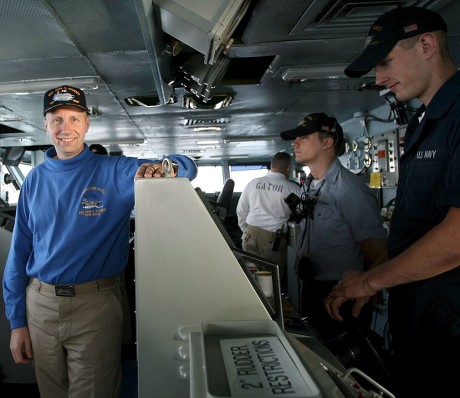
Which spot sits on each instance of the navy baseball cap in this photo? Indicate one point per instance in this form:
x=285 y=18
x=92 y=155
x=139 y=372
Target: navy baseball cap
x=397 y=24
x=64 y=96
x=316 y=122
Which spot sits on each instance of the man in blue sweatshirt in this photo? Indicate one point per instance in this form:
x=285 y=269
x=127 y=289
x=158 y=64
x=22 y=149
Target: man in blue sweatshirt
x=70 y=242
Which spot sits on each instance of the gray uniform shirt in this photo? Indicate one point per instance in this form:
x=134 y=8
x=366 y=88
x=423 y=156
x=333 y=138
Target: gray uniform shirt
x=345 y=214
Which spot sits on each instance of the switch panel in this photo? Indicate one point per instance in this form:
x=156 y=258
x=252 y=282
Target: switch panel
x=385 y=158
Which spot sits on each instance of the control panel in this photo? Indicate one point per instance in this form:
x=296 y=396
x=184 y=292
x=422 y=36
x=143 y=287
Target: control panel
x=385 y=158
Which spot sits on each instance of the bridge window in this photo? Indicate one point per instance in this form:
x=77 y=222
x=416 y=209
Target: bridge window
x=211 y=178
x=243 y=174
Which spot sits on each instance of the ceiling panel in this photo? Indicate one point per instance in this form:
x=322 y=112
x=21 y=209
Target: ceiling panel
x=46 y=42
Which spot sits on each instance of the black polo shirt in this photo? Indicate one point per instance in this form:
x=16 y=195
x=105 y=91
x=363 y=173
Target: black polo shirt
x=429 y=180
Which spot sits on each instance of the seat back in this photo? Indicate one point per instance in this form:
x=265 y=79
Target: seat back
x=224 y=200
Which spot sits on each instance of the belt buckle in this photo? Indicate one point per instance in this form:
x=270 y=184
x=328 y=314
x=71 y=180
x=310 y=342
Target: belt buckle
x=65 y=290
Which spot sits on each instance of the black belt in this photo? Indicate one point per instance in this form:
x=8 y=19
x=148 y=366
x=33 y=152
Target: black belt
x=71 y=290
x=266 y=231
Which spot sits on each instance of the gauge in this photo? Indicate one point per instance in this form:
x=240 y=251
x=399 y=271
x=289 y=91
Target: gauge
x=367 y=144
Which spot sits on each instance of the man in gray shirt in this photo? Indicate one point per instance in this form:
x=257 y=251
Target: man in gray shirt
x=341 y=225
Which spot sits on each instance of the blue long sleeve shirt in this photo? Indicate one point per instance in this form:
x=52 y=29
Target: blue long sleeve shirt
x=72 y=223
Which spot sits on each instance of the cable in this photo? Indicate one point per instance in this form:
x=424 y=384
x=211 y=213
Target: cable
x=378 y=119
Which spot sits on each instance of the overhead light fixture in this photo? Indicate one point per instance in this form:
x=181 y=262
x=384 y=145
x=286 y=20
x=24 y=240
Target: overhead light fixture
x=207 y=128
x=311 y=72
x=211 y=147
x=120 y=142
x=208 y=142
x=11 y=118
x=236 y=139
x=132 y=145
x=230 y=157
x=42 y=85
x=192 y=151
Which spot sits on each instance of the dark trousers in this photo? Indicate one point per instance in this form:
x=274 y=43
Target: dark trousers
x=425 y=326
x=312 y=306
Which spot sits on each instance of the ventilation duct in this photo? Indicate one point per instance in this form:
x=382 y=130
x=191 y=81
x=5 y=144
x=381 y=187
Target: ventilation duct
x=207 y=122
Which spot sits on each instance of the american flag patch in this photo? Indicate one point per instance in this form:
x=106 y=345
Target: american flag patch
x=410 y=28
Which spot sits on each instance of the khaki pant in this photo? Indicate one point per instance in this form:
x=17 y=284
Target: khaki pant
x=76 y=340
x=259 y=241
